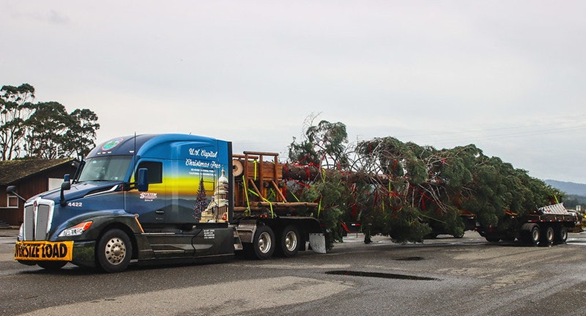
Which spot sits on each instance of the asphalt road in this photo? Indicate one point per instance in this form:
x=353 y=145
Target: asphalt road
x=445 y=276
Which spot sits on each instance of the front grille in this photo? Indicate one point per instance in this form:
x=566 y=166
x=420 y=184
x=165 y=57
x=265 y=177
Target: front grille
x=29 y=223
x=37 y=220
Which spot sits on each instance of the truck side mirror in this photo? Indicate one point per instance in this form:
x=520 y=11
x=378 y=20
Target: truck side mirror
x=143 y=180
x=66 y=185
x=11 y=189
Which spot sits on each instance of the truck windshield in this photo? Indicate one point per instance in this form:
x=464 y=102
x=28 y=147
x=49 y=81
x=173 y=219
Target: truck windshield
x=111 y=168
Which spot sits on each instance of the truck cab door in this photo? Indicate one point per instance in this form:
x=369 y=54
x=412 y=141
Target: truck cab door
x=149 y=205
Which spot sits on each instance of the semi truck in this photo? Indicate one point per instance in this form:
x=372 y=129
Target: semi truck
x=166 y=198
x=545 y=225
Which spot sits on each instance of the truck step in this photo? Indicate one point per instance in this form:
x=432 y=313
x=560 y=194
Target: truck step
x=237 y=241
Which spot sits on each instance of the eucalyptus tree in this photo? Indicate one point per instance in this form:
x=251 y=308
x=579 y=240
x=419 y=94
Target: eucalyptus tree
x=42 y=129
x=15 y=108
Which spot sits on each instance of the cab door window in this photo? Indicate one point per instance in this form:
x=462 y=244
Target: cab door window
x=155 y=171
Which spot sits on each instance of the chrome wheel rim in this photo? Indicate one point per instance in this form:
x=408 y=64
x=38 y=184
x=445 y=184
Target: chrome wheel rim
x=115 y=251
x=291 y=241
x=264 y=242
x=550 y=235
x=535 y=235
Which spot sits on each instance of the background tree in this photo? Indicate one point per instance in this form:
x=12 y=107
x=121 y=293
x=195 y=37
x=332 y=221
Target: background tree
x=15 y=108
x=44 y=129
x=80 y=135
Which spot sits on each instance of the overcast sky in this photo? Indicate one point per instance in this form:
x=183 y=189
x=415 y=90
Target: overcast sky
x=507 y=76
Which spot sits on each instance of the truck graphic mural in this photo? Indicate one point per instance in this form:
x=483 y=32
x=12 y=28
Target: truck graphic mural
x=167 y=197
x=201 y=200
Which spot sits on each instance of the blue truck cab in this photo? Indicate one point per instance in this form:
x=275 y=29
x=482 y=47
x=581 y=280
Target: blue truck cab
x=135 y=198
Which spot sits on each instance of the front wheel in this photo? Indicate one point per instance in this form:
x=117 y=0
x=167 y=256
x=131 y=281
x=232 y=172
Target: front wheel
x=114 y=251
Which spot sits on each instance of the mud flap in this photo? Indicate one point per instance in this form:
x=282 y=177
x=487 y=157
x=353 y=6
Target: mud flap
x=317 y=242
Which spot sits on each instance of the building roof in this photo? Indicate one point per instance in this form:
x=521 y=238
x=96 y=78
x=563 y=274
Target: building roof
x=15 y=170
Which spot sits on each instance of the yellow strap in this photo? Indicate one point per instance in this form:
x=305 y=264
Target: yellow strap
x=271 y=205
x=262 y=198
x=295 y=196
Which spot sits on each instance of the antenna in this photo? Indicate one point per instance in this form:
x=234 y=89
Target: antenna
x=134 y=153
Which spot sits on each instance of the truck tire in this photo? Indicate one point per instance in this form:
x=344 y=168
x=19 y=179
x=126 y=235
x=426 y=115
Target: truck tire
x=52 y=265
x=263 y=244
x=547 y=236
x=114 y=251
x=492 y=239
x=290 y=240
x=534 y=235
x=561 y=235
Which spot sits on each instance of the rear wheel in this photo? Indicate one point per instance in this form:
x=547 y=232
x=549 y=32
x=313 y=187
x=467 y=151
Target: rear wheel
x=547 y=236
x=492 y=239
x=290 y=240
x=561 y=235
x=52 y=265
x=114 y=251
x=534 y=235
x=263 y=244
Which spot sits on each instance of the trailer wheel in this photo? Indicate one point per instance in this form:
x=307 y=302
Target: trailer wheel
x=492 y=239
x=52 y=265
x=561 y=235
x=534 y=235
x=264 y=242
x=114 y=251
x=290 y=240
x=548 y=236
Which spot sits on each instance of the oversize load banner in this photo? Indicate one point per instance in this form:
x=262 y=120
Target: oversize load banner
x=43 y=250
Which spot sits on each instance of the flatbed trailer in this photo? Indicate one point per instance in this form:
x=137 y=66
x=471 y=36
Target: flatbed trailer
x=545 y=226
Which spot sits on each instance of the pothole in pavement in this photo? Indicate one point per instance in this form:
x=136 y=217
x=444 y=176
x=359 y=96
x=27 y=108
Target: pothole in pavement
x=380 y=275
x=409 y=259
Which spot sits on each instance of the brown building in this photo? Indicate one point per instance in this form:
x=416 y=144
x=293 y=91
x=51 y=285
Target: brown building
x=30 y=177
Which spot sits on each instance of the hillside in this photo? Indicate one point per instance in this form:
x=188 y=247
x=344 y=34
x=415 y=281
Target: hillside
x=569 y=188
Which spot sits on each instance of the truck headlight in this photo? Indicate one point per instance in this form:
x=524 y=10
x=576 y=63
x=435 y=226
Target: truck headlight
x=76 y=230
